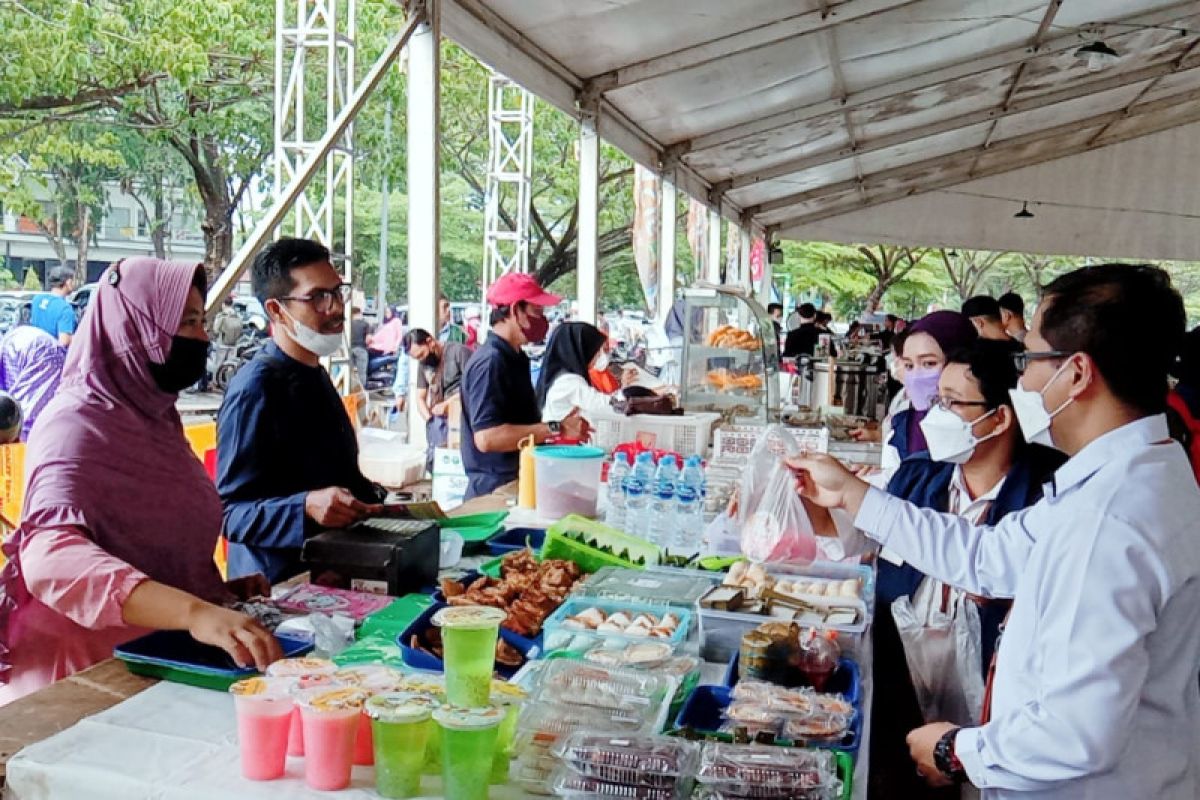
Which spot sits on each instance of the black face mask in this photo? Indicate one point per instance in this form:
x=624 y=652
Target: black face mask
x=431 y=360
x=185 y=365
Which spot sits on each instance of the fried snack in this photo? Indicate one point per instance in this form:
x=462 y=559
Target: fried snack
x=528 y=590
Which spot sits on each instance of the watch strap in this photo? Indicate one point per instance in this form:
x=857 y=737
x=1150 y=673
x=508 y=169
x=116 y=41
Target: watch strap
x=946 y=759
x=555 y=427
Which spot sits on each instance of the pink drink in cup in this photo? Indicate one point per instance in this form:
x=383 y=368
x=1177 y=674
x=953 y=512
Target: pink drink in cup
x=264 y=708
x=310 y=672
x=330 y=715
x=375 y=679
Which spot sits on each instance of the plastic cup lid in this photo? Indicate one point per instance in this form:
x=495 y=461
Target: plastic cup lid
x=468 y=617
x=301 y=666
x=430 y=683
x=374 y=677
x=401 y=707
x=566 y=451
x=469 y=719
x=267 y=688
x=333 y=698
x=507 y=694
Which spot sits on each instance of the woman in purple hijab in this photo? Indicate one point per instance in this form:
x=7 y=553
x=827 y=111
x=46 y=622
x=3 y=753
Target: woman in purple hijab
x=930 y=342
x=120 y=520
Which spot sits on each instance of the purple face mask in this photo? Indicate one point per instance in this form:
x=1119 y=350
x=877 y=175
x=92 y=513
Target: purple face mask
x=922 y=386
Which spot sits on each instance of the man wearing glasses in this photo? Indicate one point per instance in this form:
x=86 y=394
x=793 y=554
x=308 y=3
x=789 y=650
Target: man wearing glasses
x=287 y=456
x=1094 y=691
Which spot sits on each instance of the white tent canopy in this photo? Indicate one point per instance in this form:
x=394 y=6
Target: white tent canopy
x=926 y=121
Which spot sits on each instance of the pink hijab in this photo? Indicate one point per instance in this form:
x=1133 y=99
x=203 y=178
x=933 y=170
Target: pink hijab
x=108 y=456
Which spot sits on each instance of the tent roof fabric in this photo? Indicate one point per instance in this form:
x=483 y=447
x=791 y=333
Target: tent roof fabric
x=918 y=121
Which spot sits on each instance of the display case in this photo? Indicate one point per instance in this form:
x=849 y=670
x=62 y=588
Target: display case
x=729 y=366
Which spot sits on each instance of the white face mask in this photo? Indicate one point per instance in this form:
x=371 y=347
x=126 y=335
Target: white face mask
x=321 y=345
x=1031 y=412
x=950 y=437
x=601 y=363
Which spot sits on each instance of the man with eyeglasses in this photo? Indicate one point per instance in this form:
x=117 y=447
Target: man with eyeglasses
x=1094 y=691
x=287 y=455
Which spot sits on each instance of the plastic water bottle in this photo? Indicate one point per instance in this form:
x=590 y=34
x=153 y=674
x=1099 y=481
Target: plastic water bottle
x=662 y=506
x=637 y=495
x=689 y=507
x=618 y=471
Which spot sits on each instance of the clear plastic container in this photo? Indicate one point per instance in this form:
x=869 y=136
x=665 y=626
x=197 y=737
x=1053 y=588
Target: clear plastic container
x=652 y=761
x=831 y=792
x=581 y=620
x=575 y=683
x=568 y=480
x=821 y=726
x=819 y=654
x=569 y=783
x=534 y=772
x=765 y=771
x=671 y=587
x=541 y=726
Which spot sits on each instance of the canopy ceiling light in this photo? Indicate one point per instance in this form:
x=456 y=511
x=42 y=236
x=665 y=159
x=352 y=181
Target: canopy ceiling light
x=1024 y=213
x=1098 y=55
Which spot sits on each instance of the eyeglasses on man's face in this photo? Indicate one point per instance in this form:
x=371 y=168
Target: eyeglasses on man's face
x=1022 y=360
x=951 y=403
x=324 y=300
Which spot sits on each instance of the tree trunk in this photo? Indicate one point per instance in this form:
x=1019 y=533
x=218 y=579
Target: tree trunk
x=218 y=237
x=876 y=295
x=83 y=240
x=565 y=260
x=158 y=225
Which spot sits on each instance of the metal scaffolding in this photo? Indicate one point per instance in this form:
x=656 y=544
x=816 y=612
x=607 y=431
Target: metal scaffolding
x=510 y=164
x=314 y=80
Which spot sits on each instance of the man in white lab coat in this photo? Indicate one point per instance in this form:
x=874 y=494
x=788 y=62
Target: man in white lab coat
x=1094 y=693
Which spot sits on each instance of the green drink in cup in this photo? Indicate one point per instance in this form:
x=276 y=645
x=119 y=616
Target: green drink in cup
x=468 y=742
x=509 y=698
x=400 y=724
x=469 y=636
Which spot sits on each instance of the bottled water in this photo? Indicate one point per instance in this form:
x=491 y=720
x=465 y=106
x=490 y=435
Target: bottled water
x=618 y=471
x=689 y=508
x=662 y=506
x=637 y=495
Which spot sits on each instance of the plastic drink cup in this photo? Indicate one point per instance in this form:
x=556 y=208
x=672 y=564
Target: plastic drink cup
x=309 y=672
x=469 y=636
x=509 y=698
x=400 y=721
x=264 y=709
x=330 y=715
x=434 y=685
x=376 y=679
x=468 y=741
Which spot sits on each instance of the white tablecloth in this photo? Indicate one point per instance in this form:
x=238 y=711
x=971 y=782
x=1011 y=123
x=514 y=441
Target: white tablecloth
x=170 y=742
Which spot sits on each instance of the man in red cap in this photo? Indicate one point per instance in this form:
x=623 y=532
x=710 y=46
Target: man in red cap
x=500 y=407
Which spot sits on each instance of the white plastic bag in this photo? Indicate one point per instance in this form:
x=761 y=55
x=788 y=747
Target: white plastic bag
x=940 y=630
x=774 y=525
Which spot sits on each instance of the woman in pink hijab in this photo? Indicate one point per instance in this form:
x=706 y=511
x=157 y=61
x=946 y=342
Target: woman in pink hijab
x=120 y=520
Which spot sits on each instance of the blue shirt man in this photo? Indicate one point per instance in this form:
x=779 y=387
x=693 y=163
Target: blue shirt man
x=51 y=311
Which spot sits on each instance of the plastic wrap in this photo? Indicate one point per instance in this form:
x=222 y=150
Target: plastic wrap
x=652 y=761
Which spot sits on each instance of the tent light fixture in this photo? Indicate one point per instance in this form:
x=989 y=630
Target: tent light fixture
x=1024 y=213
x=1098 y=55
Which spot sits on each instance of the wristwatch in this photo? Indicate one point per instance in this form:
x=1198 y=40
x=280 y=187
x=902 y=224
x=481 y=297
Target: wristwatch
x=555 y=427
x=946 y=760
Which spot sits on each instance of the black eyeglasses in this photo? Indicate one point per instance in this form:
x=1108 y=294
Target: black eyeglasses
x=949 y=403
x=1021 y=360
x=323 y=300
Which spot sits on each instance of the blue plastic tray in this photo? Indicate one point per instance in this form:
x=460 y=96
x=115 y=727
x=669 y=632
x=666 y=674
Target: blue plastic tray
x=414 y=657
x=177 y=650
x=846 y=680
x=515 y=539
x=558 y=637
x=703 y=713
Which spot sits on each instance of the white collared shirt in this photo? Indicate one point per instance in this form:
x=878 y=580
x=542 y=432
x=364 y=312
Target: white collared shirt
x=1096 y=694
x=960 y=497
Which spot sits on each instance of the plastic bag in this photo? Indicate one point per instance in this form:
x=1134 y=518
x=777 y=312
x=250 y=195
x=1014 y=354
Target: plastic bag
x=774 y=525
x=940 y=630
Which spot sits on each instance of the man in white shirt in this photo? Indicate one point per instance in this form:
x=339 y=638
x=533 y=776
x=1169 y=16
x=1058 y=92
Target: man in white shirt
x=1095 y=693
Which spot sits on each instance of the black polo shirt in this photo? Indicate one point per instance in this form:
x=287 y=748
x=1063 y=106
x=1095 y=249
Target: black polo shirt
x=496 y=390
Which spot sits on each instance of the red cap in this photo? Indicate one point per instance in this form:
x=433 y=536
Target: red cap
x=517 y=287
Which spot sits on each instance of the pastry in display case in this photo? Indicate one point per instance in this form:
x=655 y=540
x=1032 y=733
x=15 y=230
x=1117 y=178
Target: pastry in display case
x=729 y=366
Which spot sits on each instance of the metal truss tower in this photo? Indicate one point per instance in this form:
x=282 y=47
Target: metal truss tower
x=314 y=80
x=510 y=162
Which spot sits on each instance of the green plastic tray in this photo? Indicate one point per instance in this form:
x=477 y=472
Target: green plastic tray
x=845 y=768
x=394 y=618
x=219 y=683
x=559 y=545
x=475 y=527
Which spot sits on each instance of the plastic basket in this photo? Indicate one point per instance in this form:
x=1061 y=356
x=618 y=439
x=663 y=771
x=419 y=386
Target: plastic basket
x=516 y=539
x=688 y=434
x=559 y=544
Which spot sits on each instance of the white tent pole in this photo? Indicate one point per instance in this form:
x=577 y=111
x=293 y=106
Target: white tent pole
x=744 y=279
x=666 y=251
x=315 y=162
x=587 y=263
x=424 y=195
x=715 y=255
